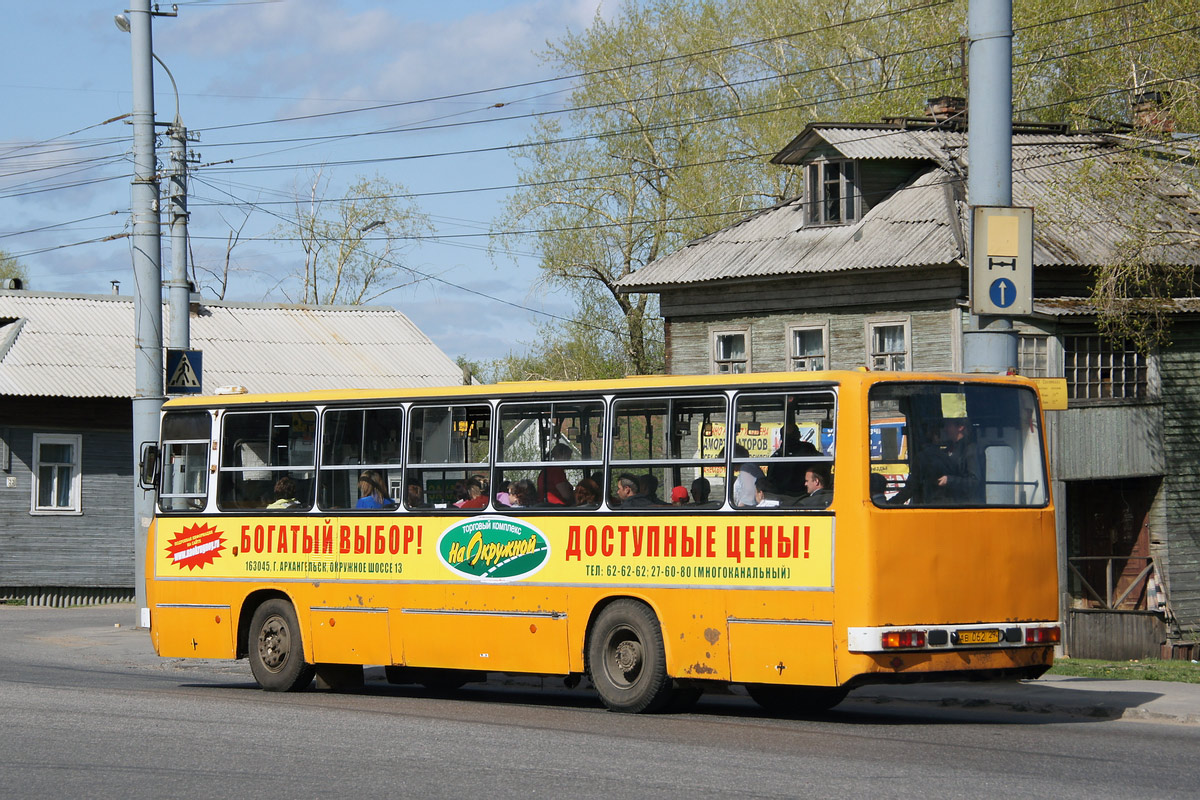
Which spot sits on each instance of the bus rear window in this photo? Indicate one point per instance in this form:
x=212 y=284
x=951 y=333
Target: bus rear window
x=938 y=445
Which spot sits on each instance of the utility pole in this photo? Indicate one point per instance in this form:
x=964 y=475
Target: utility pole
x=992 y=345
x=147 y=281
x=178 y=287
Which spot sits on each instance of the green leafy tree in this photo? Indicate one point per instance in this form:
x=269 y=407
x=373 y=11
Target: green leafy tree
x=353 y=245
x=680 y=106
x=10 y=267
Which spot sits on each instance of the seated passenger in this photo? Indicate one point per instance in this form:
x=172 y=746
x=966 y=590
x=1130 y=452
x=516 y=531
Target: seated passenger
x=587 y=493
x=764 y=494
x=371 y=493
x=743 y=487
x=945 y=473
x=679 y=496
x=648 y=486
x=285 y=494
x=415 y=495
x=476 y=493
x=522 y=494
x=820 y=487
x=628 y=495
x=701 y=489
x=552 y=481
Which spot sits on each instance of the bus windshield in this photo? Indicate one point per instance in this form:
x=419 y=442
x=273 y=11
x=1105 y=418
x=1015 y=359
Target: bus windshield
x=956 y=445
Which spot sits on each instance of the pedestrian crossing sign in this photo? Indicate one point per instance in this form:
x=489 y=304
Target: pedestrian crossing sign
x=184 y=368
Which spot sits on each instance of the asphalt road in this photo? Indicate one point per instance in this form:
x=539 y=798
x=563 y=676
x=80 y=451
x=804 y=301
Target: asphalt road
x=87 y=710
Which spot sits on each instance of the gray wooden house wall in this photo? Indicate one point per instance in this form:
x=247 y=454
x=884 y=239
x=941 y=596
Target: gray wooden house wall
x=1179 y=370
x=91 y=550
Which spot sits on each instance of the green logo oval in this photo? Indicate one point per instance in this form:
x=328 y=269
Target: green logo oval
x=493 y=549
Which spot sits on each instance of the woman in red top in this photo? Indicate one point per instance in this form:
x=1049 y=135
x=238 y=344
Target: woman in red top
x=552 y=481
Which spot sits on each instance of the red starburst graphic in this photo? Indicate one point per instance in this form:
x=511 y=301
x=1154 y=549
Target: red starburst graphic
x=195 y=546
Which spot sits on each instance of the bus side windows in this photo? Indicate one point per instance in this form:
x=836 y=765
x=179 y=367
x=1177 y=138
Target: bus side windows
x=662 y=447
x=360 y=458
x=783 y=443
x=447 y=446
x=260 y=448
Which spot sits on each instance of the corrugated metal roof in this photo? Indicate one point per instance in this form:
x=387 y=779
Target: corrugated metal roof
x=925 y=222
x=60 y=345
x=1083 y=307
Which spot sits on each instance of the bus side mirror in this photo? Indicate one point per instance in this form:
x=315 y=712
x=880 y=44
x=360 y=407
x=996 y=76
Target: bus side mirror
x=148 y=466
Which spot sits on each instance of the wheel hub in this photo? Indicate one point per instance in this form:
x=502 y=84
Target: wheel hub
x=628 y=656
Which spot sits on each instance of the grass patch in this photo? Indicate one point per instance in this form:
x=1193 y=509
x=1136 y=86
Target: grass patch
x=1144 y=670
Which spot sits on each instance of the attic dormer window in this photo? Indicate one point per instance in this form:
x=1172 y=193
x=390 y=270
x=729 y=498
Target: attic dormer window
x=832 y=197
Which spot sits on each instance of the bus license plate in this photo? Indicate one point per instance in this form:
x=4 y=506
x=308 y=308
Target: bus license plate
x=990 y=636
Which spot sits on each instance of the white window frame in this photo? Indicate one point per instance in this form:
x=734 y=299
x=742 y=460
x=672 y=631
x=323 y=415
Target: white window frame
x=714 y=363
x=872 y=325
x=76 y=500
x=816 y=180
x=1038 y=341
x=792 y=358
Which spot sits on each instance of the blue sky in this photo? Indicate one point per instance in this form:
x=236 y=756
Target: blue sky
x=64 y=171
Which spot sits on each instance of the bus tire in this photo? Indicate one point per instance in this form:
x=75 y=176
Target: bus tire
x=626 y=661
x=277 y=649
x=795 y=701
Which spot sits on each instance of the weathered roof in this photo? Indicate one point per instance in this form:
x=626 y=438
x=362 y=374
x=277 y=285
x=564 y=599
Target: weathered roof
x=924 y=223
x=1084 y=307
x=65 y=345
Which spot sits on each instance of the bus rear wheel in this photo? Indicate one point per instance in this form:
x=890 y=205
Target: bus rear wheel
x=277 y=649
x=626 y=660
x=795 y=700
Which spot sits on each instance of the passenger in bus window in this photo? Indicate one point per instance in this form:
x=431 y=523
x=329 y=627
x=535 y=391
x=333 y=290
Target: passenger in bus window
x=820 y=487
x=764 y=494
x=285 y=494
x=628 y=494
x=476 y=493
x=648 y=487
x=522 y=493
x=701 y=489
x=502 y=497
x=552 y=481
x=679 y=496
x=743 y=487
x=415 y=495
x=945 y=472
x=371 y=492
x=788 y=476
x=587 y=493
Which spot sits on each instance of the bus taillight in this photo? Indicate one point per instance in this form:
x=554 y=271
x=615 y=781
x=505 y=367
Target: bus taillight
x=1043 y=635
x=894 y=639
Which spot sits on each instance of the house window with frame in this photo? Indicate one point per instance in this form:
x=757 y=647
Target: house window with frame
x=731 y=352
x=888 y=343
x=832 y=196
x=1099 y=369
x=56 y=473
x=806 y=347
x=1032 y=355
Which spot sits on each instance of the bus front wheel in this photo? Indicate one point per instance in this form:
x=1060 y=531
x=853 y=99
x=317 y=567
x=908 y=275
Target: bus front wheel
x=277 y=650
x=625 y=659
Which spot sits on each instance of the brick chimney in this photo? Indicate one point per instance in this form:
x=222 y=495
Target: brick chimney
x=945 y=107
x=1151 y=113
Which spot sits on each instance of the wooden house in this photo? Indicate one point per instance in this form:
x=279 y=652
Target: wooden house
x=870 y=268
x=66 y=440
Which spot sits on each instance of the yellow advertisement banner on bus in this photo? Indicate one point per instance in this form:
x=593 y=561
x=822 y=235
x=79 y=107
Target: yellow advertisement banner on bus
x=771 y=552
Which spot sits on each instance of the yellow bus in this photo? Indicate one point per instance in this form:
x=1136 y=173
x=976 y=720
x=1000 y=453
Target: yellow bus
x=797 y=533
